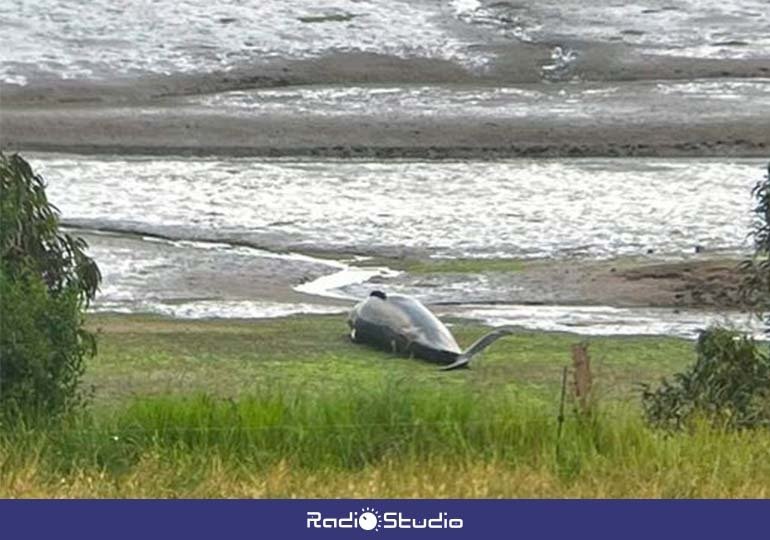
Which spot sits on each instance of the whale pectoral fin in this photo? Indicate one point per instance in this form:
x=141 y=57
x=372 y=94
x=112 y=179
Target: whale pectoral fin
x=405 y=340
x=461 y=362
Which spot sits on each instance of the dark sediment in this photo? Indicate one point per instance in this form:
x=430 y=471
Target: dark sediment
x=514 y=64
x=187 y=132
x=698 y=283
x=158 y=115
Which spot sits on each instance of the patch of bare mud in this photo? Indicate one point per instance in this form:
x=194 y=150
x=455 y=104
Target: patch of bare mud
x=697 y=283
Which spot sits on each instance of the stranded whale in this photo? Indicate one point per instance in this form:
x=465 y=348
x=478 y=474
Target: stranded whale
x=403 y=325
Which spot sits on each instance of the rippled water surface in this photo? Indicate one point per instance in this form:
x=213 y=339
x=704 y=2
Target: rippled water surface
x=518 y=208
x=605 y=320
x=636 y=102
x=103 y=38
x=211 y=212
x=100 y=39
x=220 y=237
x=697 y=28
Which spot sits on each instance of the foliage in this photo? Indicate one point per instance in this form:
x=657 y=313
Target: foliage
x=729 y=385
x=46 y=282
x=42 y=345
x=755 y=287
x=30 y=237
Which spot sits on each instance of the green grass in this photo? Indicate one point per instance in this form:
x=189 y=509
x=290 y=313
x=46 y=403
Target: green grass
x=290 y=407
x=142 y=356
x=393 y=439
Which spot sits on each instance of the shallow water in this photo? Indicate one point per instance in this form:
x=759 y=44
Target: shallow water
x=208 y=279
x=516 y=208
x=633 y=102
x=222 y=221
x=214 y=211
x=695 y=28
x=608 y=321
x=198 y=280
x=102 y=39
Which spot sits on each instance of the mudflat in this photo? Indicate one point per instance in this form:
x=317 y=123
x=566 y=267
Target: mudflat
x=174 y=131
x=709 y=282
x=380 y=106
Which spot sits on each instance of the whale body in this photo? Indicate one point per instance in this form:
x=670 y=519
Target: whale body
x=403 y=325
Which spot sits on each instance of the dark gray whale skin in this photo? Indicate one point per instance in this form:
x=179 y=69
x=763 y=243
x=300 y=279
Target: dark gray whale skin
x=402 y=325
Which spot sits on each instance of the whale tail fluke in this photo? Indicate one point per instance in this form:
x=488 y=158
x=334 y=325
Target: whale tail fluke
x=478 y=346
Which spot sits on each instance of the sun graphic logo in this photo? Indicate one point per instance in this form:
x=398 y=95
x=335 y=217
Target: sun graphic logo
x=369 y=520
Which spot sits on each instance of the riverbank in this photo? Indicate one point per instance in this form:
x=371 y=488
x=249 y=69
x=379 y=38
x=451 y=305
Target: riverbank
x=699 y=281
x=657 y=239
x=236 y=409
x=146 y=356
x=200 y=279
x=626 y=295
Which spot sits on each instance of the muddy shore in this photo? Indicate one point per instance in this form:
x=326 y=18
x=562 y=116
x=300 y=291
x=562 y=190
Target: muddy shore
x=635 y=106
x=704 y=283
x=189 y=272
x=514 y=64
x=173 y=132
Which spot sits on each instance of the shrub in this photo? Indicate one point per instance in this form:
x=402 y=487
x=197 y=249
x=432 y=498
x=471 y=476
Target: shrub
x=755 y=287
x=46 y=283
x=729 y=385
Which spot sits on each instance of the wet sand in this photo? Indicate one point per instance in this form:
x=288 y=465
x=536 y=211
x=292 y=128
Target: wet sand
x=514 y=64
x=171 y=132
x=249 y=280
x=184 y=272
x=703 y=283
x=189 y=131
x=159 y=115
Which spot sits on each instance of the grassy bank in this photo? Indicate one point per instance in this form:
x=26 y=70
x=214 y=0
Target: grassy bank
x=386 y=442
x=145 y=356
x=289 y=407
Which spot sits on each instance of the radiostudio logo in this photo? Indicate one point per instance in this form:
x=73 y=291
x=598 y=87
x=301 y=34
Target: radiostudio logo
x=369 y=519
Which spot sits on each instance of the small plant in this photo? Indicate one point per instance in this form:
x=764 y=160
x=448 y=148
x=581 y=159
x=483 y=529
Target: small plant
x=729 y=385
x=46 y=283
